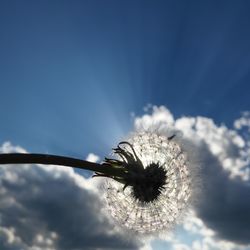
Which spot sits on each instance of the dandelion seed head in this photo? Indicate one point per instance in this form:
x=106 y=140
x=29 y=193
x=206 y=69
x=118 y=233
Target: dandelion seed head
x=156 y=196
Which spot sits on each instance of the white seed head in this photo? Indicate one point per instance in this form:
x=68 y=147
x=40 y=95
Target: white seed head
x=162 y=212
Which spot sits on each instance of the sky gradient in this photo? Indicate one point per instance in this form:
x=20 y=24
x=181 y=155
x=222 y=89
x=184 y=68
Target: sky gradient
x=76 y=75
x=71 y=70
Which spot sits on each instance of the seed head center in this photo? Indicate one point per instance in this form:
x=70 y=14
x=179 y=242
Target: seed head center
x=148 y=183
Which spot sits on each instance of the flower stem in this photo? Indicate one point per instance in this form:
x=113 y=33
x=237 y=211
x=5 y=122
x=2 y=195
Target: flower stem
x=20 y=158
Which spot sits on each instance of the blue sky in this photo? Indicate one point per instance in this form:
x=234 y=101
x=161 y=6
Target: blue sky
x=73 y=72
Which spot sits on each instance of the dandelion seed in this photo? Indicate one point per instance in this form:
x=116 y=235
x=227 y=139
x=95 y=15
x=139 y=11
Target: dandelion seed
x=157 y=185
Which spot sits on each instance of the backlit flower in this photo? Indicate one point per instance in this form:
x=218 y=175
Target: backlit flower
x=148 y=184
x=156 y=186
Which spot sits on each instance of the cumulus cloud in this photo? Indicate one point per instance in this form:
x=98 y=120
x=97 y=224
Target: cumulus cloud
x=51 y=207
x=223 y=154
x=92 y=157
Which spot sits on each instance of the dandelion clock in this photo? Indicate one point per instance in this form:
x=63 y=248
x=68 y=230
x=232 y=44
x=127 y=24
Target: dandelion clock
x=157 y=185
x=148 y=181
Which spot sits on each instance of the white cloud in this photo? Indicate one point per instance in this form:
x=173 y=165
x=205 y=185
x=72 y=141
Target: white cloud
x=227 y=145
x=92 y=157
x=243 y=121
x=179 y=246
x=222 y=216
x=160 y=116
x=52 y=207
x=146 y=246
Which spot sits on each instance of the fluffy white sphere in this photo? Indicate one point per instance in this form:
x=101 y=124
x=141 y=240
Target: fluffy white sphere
x=162 y=212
